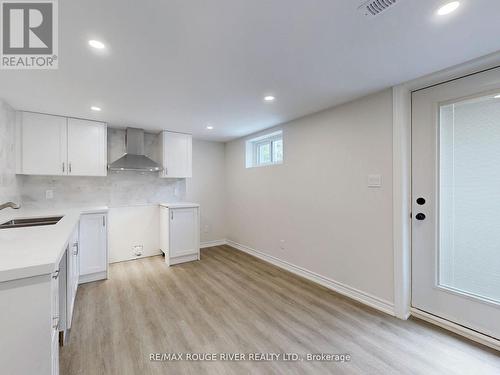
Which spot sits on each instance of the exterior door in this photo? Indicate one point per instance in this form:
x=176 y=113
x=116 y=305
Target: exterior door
x=456 y=201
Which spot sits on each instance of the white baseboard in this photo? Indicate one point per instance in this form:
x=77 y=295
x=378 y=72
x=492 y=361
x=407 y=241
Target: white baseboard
x=355 y=294
x=206 y=244
x=458 y=329
x=93 y=277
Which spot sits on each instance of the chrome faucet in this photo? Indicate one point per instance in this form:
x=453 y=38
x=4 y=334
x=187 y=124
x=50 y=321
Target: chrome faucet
x=11 y=205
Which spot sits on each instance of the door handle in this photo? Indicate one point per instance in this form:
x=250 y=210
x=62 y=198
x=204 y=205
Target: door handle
x=420 y=216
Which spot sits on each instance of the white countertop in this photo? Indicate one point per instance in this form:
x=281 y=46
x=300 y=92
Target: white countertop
x=33 y=251
x=179 y=205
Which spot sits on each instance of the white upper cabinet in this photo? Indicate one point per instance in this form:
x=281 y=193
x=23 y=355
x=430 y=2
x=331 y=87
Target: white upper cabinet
x=60 y=146
x=42 y=144
x=176 y=149
x=87 y=145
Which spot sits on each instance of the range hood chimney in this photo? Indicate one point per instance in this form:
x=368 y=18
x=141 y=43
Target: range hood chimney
x=134 y=159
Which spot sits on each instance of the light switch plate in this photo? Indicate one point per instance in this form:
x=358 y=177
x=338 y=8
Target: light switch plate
x=374 y=180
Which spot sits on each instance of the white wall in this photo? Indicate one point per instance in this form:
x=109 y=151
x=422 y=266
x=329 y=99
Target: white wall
x=8 y=183
x=207 y=188
x=133 y=226
x=318 y=200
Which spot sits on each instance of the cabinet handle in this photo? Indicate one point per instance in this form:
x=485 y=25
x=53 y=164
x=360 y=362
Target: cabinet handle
x=63 y=166
x=76 y=248
x=104 y=221
x=171 y=214
x=69 y=166
x=55 y=275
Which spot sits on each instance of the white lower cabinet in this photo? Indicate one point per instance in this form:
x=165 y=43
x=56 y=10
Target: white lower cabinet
x=56 y=314
x=73 y=274
x=93 y=247
x=34 y=310
x=55 y=353
x=180 y=232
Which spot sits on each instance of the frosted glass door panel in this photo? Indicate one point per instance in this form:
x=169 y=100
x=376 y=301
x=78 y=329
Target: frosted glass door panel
x=469 y=197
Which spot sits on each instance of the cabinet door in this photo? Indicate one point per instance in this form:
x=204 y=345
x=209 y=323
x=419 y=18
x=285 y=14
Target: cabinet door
x=177 y=155
x=164 y=228
x=43 y=144
x=93 y=244
x=55 y=308
x=183 y=231
x=54 y=349
x=87 y=155
x=73 y=275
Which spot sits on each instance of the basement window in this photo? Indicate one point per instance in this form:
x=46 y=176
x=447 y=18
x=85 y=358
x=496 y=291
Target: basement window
x=265 y=150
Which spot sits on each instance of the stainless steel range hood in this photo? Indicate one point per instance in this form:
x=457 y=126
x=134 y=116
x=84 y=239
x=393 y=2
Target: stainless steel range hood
x=134 y=159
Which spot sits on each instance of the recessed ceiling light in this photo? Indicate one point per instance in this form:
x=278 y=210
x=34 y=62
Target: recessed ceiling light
x=269 y=98
x=94 y=108
x=96 y=44
x=209 y=127
x=448 y=8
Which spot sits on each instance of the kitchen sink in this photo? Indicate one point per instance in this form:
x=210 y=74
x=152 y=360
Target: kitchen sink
x=31 y=222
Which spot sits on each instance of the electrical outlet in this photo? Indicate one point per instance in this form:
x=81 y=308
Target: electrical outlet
x=138 y=250
x=49 y=194
x=374 y=180
x=206 y=228
x=282 y=244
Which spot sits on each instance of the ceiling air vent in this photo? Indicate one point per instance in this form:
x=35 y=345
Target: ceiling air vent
x=373 y=8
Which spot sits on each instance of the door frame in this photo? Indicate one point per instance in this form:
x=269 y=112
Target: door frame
x=402 y=174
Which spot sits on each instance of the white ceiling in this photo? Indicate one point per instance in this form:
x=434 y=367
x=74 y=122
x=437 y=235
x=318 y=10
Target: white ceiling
x=180 y=64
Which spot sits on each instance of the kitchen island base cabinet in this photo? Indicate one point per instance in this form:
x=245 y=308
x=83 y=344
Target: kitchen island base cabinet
x=73 y=275
x=29 y=325
x=180 y=233
x=93 y=248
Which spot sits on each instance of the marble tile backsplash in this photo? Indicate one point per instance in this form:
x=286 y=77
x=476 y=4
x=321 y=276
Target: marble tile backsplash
x=117 y=189
x=8 y=182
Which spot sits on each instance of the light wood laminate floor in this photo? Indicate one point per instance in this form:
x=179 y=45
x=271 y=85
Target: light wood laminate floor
x=232 y=302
